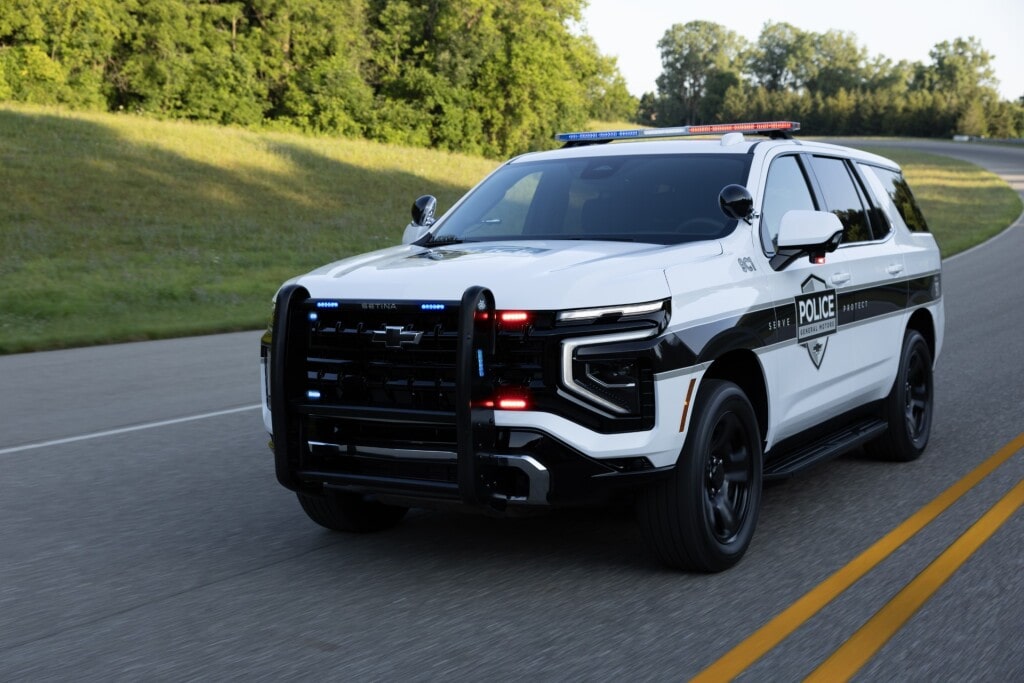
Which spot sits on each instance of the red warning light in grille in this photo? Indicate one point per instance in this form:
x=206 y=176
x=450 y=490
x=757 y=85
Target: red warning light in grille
x=514 y=317
x=512 y=400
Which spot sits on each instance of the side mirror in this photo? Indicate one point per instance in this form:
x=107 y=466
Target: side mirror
x=423 y=210
x=736 y=202
x=813 y=233
x=422 y=218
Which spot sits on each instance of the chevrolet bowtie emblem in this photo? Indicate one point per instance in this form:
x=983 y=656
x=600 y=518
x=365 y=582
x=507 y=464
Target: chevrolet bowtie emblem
x=396 y=337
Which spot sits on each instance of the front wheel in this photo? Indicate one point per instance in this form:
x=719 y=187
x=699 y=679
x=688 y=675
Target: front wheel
x=703 y=517
x=344 y=511
x=908 y=407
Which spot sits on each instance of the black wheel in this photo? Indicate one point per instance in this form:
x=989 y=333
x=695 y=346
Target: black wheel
x=342 y=511
x=703 y=517
x=908 y=408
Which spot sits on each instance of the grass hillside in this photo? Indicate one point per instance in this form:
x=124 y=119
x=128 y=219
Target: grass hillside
x=116 y=228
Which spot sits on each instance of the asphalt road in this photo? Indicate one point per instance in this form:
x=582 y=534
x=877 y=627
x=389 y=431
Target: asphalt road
x=161 y=547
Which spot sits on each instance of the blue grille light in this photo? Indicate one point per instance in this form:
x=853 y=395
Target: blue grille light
x=313 y=316
x=326 y=304
x=431 y=307
x=313 y=394
x=480 y=361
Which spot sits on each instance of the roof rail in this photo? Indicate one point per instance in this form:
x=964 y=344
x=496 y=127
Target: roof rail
x=773 y=129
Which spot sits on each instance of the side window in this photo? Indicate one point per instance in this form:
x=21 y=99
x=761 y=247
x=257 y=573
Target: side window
x=785 y=190
x=842 y=198
x=883 y=216
x=902 y=198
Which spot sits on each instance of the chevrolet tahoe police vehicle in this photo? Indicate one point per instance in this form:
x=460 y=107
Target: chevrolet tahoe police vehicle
x=669 y=320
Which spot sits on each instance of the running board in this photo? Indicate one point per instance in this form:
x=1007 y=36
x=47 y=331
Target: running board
x=833 y=445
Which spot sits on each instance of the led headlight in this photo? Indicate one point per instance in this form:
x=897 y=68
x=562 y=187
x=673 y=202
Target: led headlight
x=609 y=381
x=615 y=380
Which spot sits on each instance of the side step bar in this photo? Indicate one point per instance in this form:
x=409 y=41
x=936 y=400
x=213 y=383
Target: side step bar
x=827 y=448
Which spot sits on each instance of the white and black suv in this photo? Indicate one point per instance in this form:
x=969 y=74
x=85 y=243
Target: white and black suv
x=672 y=321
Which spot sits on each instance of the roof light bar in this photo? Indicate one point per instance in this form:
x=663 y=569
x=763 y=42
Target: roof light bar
x=681 y=131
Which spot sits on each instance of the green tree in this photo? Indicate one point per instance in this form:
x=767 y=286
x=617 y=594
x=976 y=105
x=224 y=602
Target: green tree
x=962 y=81
x=696 y=59
x=483 y=75
x=57 y=51
x=962 y=68
x=608 y=96
x=156 y=62
x=839 y=63
x=310 y=56
x=782 y=58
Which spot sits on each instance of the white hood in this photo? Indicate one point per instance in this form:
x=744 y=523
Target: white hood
x=535 y=275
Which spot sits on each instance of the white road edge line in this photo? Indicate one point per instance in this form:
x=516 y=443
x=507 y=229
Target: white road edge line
x=125 y=430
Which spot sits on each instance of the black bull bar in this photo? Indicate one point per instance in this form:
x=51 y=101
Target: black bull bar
x=474 y=423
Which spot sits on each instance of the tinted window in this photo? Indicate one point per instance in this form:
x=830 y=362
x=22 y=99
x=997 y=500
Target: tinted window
x=842 y=197
x=903 y=199
x=785 y=190
x=663 y=199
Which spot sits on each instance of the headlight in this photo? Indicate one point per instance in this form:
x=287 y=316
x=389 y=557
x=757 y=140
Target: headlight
x=610 y=381
x=615 y=381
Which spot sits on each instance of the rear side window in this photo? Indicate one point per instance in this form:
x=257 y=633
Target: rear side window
x=842 y=197
x=902 y=198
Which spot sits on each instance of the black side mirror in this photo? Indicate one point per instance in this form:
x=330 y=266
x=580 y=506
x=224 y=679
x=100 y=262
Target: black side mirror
x=423 y=210
x=736 y=202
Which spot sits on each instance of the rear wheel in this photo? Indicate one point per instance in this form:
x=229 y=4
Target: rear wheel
x=343 y=511
x=703 y=517
x=908 y=408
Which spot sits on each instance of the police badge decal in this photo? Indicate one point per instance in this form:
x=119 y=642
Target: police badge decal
x=817 y=317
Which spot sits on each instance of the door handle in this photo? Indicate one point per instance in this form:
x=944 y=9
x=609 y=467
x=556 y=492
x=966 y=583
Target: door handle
x=840 y=278
x=895 y=269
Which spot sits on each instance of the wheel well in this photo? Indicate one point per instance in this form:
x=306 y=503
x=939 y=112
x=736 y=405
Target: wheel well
x=921 y=320
x=742 y=368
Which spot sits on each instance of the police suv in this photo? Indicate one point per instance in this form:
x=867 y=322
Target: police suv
x=672 y=321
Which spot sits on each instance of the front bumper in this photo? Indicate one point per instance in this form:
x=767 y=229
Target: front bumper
x=456 y=455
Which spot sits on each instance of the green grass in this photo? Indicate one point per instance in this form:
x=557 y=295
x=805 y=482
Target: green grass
x=116 y=228
x=963 y=204
x=119 y=228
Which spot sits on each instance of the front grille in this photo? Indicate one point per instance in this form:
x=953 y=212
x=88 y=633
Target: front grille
x=399 y=357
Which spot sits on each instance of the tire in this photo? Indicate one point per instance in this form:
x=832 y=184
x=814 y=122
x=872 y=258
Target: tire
x=909 y=406
x=703 y=517
x=340 y=511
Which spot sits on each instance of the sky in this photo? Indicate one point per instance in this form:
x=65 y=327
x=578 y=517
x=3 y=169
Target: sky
x=898 y=29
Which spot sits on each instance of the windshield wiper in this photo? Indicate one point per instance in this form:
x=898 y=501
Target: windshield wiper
x=444 y=239
x=599 y=238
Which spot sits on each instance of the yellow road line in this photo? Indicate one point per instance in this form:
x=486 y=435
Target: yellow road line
x=736 y=660
x=879 y=629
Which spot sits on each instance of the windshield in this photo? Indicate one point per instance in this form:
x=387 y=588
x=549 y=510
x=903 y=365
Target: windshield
x=661 y=199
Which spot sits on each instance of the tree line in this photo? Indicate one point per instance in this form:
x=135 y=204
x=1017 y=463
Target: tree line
x=827 y=82
x=492 y=77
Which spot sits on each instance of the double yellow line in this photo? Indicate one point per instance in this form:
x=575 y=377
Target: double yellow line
x=857 y=650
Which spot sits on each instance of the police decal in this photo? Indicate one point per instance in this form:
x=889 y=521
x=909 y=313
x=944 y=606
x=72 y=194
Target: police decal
x=817 y=316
